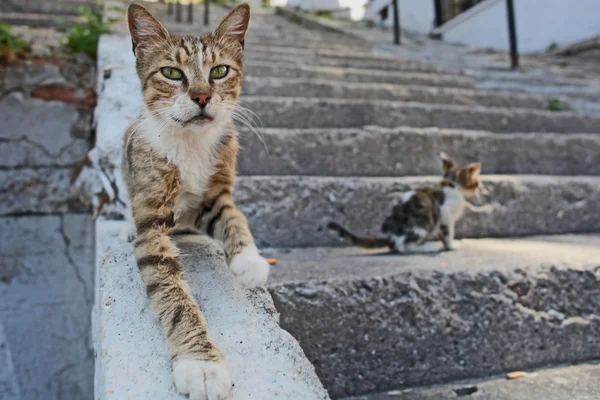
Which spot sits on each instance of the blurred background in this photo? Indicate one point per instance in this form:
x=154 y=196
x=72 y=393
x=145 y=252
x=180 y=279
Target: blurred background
x=354 y=101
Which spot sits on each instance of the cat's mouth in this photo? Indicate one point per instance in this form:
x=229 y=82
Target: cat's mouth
x=201 y=118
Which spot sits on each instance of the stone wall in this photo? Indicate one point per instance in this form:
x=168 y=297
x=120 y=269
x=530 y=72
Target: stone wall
x=46 y=273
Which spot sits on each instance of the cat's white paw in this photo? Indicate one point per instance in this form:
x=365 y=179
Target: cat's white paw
x=202 y=380
x=454 y=245
x=249 y=267
x=127 y=234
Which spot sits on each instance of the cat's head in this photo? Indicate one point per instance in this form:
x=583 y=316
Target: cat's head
x=466 y=177
x=189 y=81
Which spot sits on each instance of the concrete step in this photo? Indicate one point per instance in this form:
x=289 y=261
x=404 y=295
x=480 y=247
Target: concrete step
x=288 y=40
x=315 y=88
x=413 y=151
x=372 y=323
x=293 y=211
x=268 y=69
x=335 y=57
x=559 y=383
x=265 y=361
x=344 y=62
x=298 y=112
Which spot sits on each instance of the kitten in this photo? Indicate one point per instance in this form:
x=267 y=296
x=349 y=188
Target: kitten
x=424 y=214
x=179 y=163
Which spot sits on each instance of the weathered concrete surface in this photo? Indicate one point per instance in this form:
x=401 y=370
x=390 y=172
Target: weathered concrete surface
x=46 y=298
x=43 y=190
x=289 y=87
x=53 y=134
x=571 y=382
x=132 y=360
x=494 y=306
x=303 y=71
x=337 y=58
x=413 y=151
x=294 y=211
x=311 y=23
x=9 y=389
x=295 y=112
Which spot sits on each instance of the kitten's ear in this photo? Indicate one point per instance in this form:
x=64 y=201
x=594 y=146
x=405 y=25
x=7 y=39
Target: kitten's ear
x=447 y=163
x=474 y=169
x=235 y=24
x=143 y=26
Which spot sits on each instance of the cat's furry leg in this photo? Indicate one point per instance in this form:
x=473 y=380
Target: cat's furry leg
x=222 y=220
x=227 y=224
x=447 y=237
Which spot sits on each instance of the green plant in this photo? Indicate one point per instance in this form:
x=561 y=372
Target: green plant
x=12 y=46
x=555 y=104
x=11 y=40
x=83 y=37
x=323 y=14
x=553 y=46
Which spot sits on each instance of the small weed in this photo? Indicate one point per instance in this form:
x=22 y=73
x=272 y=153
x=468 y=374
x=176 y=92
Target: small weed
x=12 y=46
x=11 y=40
x=323 y=14
x=555 y=104
x=553 y=46
x=83 y=37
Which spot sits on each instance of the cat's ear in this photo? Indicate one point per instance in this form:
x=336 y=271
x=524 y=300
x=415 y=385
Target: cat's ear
x=235 y=24
x=144 y=27
x=474 y=170
x=447 y=163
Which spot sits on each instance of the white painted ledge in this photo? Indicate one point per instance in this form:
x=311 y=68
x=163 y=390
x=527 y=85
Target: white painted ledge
x=132 y=361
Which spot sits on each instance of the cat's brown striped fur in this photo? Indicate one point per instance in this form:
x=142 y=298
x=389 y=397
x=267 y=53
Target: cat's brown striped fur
x=180 y=181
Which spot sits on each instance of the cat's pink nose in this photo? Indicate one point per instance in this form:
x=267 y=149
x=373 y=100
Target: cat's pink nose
x=202 y=98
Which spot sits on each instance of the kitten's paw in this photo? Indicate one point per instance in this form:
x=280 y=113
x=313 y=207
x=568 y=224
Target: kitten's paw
x=202 y=380
x=249 y=267
x=454 y=245
x=127 y=234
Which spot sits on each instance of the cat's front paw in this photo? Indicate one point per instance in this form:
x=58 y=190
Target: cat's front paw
x=202 y=380
x=249 y=267
x=127 y=233
x=453 y=245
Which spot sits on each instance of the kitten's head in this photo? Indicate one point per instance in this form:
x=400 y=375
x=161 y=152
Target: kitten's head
x=189 y=81
x=465 y=176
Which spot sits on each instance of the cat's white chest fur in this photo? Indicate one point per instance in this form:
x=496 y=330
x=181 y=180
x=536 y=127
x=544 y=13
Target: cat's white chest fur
x=193 y=152
x=454 y=205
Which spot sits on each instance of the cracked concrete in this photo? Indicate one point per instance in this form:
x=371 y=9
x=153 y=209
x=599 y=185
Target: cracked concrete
x=9 y=389
x=46 y=261
x=36 y=133
x=48 y=302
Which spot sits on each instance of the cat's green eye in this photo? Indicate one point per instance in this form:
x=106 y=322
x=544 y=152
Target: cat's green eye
x=172 y=73
x=219 y=72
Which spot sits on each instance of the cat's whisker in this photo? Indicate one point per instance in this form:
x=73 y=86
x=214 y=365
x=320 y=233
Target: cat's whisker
x=246 y=118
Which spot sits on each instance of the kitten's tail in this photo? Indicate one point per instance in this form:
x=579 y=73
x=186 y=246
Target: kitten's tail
x=367 y=243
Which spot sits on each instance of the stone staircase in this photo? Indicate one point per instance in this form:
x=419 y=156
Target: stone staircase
x=346 y=132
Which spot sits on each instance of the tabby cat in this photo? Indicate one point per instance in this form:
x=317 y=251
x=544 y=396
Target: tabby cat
x=179 y=162
x=424 y=214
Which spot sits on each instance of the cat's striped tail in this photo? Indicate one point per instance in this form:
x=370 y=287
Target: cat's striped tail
x=352 y=239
